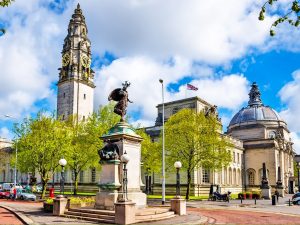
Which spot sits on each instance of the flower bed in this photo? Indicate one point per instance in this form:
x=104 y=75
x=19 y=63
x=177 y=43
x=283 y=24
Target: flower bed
x=48 y=205
x=249 y=195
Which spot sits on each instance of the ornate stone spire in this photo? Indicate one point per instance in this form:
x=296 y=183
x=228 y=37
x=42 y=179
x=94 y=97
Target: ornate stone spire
x=76 y=53
x=254 y=96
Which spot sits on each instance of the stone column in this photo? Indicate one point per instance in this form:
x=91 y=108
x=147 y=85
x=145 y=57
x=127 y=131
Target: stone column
x=125 y=212
x=178 y=206
x=59 y=205
x=265 y=188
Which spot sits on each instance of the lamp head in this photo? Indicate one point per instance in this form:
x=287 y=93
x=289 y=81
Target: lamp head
x=62 y=162
x=161 y=81
x=177 y=165
x=125 y=158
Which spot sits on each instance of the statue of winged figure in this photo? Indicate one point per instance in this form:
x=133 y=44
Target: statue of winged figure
x=120 y=95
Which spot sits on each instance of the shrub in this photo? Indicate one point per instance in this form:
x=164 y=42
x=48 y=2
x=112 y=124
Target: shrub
x=256 y=194
x=49 y=200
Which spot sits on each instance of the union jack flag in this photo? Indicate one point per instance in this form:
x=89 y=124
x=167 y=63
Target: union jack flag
x=191 y=87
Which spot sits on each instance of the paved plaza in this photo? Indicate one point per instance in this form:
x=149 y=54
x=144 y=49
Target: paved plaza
x=199 y=212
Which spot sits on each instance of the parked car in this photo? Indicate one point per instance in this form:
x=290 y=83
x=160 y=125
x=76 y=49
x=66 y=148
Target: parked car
x=296 y=201
x=4 y=194
x=296 y=195
x=25 y=195
x=8 y=186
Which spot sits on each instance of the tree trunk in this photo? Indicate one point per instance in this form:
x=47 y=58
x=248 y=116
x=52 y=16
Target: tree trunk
x=75 y=182
x=189 y=179
x=44 y=185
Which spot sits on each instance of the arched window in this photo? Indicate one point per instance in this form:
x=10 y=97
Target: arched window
x=230 y=176
x=238 y=175
x=251 y=176
x=3 y=176
x=225 y=176
x=11 y=175
x=234 y=177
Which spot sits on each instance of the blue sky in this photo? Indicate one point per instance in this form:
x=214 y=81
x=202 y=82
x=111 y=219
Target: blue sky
x=142 y=41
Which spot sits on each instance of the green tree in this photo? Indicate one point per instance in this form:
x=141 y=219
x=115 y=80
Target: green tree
x=4 y=3
x=195 y=140
x=83 y=149
x=290 y=15
x=150 y=152
x=41 y=143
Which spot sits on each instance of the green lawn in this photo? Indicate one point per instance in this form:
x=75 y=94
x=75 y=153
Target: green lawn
x=78 y=193
x=199 y=198
x=203 y=197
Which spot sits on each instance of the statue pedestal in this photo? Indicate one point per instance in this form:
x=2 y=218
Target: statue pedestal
x=109 y=185
x=280 y=191
x=111 y=176
x=266 y=193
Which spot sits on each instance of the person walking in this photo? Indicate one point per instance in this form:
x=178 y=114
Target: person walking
x=15 y=193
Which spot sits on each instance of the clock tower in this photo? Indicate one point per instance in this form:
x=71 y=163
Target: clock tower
x=76 y=78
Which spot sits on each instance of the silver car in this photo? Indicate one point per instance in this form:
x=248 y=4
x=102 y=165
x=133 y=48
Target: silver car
x=25 y=195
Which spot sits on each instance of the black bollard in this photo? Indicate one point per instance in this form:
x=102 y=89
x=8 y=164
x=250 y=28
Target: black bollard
x=289 y=202
x=241 y=200
x=273 y=199
x=255 y=201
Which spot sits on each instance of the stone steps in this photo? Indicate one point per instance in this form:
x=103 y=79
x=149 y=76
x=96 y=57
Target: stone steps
x=85 y=214
x=106 y=216
x=98 y=220
x=93 y=211
x=153 y=214
x=99 y=216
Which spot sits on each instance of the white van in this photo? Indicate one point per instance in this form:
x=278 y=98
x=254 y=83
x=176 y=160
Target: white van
x=8 y=186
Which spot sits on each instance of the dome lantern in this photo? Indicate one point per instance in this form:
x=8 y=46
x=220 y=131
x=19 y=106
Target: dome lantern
x=254 y=96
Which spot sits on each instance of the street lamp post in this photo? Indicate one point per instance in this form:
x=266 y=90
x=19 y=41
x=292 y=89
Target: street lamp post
x=62 y=162
x=177 y=165
x=15 y=172
x=298 y=167
x=163 y=143
x=297 y=160
x=125 y=159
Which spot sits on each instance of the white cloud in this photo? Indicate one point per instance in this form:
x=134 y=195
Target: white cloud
x=5 y=133
x=143 y=73
x=289 y=95
x=229 y=91
x=153 y=39
x=296 y=141
x=208 y=31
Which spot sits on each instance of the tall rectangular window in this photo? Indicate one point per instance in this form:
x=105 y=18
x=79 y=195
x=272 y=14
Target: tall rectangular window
x=238 y=158
x=81 y=176
x=93 y=175
x=64 y=95
x=84 y=96
x=205 y=175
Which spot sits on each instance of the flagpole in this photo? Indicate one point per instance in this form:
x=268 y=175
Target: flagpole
x=185 y=91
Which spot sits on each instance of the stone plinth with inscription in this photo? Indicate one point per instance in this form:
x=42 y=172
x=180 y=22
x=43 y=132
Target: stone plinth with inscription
x=120 y=139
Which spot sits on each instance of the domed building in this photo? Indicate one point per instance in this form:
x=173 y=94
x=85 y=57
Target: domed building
x=266 y=139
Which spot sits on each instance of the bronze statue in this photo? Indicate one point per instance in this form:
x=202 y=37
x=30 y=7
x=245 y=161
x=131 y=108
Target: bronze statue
x=109 y=152
x=120 y=95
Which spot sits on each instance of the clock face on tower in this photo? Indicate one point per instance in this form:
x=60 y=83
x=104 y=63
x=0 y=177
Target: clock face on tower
x=65 y=59
x=85 y=61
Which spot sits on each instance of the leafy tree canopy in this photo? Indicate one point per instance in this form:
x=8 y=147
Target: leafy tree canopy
x=290 y=15
x=195 y=140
